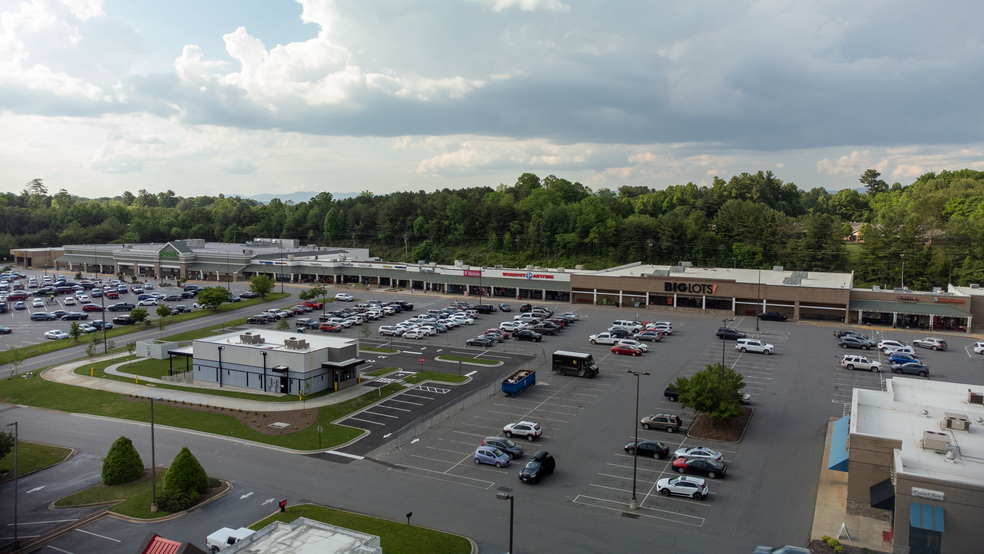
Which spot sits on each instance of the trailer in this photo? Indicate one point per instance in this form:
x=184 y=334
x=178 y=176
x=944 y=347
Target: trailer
x=518 y=381
x=574 y=363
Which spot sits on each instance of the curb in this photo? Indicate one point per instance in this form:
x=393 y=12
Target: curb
x=30 y=547
x=175 y=515
x=71 y=453
x=497 y=364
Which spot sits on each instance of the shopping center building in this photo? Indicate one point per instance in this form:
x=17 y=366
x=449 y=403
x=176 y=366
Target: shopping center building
x=799 y=295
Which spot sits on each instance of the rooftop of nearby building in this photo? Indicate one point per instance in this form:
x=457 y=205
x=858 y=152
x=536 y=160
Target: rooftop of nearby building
x=305 y=536
x=278 y=340
x=775 y=276
x=972 y=290
x=910 y=407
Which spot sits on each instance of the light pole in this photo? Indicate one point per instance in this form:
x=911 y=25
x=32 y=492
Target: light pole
x=510 y=498
x=153 y=460
x=758 y=296
x=228 y=275
x=635 y=448
x=724 y=338
x=221 y=348
x=903 y=270
x=281 y=268
x=16 y=544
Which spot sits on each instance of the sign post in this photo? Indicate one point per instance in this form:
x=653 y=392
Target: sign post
x=319 y=437
x=421 y=363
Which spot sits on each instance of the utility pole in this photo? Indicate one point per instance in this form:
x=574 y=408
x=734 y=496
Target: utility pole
x=406 y=249
x=903 y=270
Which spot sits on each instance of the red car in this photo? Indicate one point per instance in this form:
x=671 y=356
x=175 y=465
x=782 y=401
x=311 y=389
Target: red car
x=314 y=304
x=331 y=328
x=113 y=294
x=91 y=308
x=626 y=350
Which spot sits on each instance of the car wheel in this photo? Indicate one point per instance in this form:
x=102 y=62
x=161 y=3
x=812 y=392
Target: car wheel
x=935 y=349
x=896 y=371
x=477 y=461
x=658 y=456
x=864 y=347
x=850 y=366
x=498 y=464
x=711 y=475
x=645 y=426
x=681 y=470
x=698 y=496
x=630 y=450
x=673 y=399
x=563 y=372
x=768 y=352
x=874 y=369
x=922 y=373
x=529 y=438
x=508 y=434
x=670 y=429
x=742 y=350
x=843 y=346
x=635 y=354
x=664 y=492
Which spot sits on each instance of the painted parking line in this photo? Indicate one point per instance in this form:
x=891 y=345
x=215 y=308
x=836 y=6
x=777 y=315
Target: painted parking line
x=381 y=415
x=651 y=513
x=406 y=402
x=365 y=421
x=97 y=535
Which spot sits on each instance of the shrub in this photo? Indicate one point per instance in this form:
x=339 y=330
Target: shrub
x=839 y=549
x=186 y=476
x=122 y=463
x=833 y=543
x=213 y=482
x=171 y=501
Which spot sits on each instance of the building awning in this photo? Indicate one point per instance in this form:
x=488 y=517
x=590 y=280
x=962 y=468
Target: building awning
x=353 y=362
x=838 y=445
x=883 y=495
x=186 y=351
x=908 y=308
x=924 y=516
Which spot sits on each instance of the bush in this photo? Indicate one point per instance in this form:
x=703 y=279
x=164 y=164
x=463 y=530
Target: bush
x=172 y=502
x=186 y=476
x=213 y=482
x=122 y=463
x=833 y=543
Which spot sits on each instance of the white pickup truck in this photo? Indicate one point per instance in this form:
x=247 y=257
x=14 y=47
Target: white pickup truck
x=225 y=537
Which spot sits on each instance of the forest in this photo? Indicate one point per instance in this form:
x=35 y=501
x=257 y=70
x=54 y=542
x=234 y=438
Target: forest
x=935 y=225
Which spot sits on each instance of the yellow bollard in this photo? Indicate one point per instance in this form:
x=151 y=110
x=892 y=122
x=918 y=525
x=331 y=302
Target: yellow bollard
x=90 y=372
x=136 y=379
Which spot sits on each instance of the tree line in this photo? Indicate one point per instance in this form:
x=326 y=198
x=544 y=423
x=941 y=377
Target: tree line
x=935 y=224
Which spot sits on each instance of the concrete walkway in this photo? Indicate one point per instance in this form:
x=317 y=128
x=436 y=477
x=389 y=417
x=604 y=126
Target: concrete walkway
x=65 y=374
x=831 y=510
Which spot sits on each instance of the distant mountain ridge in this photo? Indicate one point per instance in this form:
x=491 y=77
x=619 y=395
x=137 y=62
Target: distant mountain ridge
x=297 y=197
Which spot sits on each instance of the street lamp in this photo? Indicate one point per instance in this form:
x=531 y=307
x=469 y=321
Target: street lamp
x=281 y=268
x=510 y=498
x=635 y=448
x=16 y=544
x=153 y=459
x=221 y=348
x=758 y=296
x=724 y=338
x=228 y=275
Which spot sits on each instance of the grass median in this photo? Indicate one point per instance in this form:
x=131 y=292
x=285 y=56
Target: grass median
x=468 y=360
x=31 y=457
x=134 y=498
x=394 y=537
x=56 y=396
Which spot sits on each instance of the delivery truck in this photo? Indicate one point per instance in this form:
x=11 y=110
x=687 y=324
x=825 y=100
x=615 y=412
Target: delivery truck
x=574 y=363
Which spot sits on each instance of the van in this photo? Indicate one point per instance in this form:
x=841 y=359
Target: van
x=574 y=363
x=634 y=325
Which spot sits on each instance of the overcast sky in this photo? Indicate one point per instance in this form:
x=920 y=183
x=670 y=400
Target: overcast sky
x=280 y=96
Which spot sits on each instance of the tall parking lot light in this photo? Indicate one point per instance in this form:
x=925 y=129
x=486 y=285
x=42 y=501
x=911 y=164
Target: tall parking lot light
x=16 y=543
x=724 y=338
x=635 y=449
x=511 y=499
x=153 y=460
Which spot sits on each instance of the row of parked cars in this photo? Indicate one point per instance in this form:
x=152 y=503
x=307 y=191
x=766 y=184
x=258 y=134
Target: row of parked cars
x=901 y=356
x=499 y=451
x=697 y=460
x=629 y=337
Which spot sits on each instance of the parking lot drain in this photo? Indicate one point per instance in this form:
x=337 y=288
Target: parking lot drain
x=627 y=514
x=279 y=425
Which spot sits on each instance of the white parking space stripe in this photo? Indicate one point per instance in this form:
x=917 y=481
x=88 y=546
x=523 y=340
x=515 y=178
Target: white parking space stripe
x=97 y=535
x=381 y=415
x=407 y=402
x=693 y=521
x=391 y=407
x=367 y=421
x=56 y=548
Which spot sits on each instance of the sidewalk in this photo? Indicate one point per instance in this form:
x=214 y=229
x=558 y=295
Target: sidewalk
x=64 y=374
x=831 y=510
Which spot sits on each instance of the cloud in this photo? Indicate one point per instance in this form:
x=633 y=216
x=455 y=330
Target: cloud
x=240 y=166
x=525 y=5
x=852 y=164
x=85 y=9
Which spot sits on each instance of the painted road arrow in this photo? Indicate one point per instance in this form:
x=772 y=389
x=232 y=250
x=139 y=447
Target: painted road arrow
x=266 y=502
x=246 y=495
x=36 y=489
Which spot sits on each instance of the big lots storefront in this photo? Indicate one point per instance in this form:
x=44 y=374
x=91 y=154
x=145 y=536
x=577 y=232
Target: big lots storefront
x=798 y=295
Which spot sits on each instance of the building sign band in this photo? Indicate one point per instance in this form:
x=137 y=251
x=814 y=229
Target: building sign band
x=529 y=275
x=470 y=273
x=692 y=288
x=168 y=255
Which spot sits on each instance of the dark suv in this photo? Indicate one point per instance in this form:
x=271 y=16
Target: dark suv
x=540 y=466
x=506 y=445
x=727 y=333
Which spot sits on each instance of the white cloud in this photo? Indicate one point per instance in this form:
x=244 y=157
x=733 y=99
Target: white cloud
x=240 y=166
x=525 y=5
x=852 y=164
x=85 y=9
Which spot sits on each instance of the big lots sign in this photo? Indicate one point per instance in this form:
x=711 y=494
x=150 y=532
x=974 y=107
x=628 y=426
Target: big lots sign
x=692 y=288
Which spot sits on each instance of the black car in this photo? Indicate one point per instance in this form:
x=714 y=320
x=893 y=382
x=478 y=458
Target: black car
x=59 y=313
x=671 y=393
x=651 y=336
x=249 y=294
x=772 y=316
x=259 y=319
x=727 y=333
x=485 y=308
x=188 y=294
x=540 y=466
x=121 y=307
x=404 y=305
x=5 y=330
x=181 y=309
x=172 y=298
x=649 y=448
x=619 y=333
x=307 y=323
x=123 y=320
x=506 y=445
x=855 y=341
x=845 y=332
x=525 y=307
x=700 y=466
x=526 y=334
x=43 y=316
x=100 y=324
x=482 y=341
x=75 y=316
x=505 y=307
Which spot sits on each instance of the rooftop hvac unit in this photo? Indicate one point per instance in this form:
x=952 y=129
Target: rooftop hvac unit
x=937 y=290
x=975 y=397
x=421 y=262
x=644 y=274
x=875 y=288
x=465 y=266
x=529 y=267
x=686 y=264
x=957 y=422
x=433 y=264
x=933 y=440
x=498 y=266
x=290 y=256
x=251 y=338
x=536 y=267
x=248 y=251
x=975 y=285
x=777 y=268
x=295 y=344
x=578 y=267
x=561 y=269
x=459 y=263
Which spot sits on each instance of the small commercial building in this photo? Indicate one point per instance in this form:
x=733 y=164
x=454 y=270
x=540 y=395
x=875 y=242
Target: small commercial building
x=904 y=309
x=275 y=361
x=915 y=456
x=305 y=535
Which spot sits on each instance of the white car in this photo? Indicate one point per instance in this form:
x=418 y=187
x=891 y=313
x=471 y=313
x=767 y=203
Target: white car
x=415 y=334
x=84 y=299
x=930 y=342
x=463 y=319
x=69 y=301
x=528 y=429
x=387 y=330
x=699 y=452
x=388 y=310
x=509 y=326
x=527 y=317
x=449 y=323
x=754 y=345
x=56 y=335
x=634 y=344
x=693 y=487
x=86 y=328
x=429 y=329
x=663 y=328
x=602 y=338
x=907 y=350
x=38 y=303
x=979 y=347
x=860 y=362
x=153 y=302
x=889 y=345
x=344 y=297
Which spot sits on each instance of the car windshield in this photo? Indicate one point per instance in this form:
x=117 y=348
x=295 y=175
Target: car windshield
x=533 y=465
x=510 y=443
x=498 y=453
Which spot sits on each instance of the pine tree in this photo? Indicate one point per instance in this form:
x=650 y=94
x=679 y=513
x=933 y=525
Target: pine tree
x=122 y=463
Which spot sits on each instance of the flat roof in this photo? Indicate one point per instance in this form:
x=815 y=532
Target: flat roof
x=896 y=413
x=813 y=279
x=274 y=340
x=305 y=536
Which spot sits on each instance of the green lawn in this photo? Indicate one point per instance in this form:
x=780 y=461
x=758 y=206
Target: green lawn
x=45 y=394
x=395 y=537
x=435 y=376
x=7 y=356
x=136 y=497
x=31 y=457
x=468 y=360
